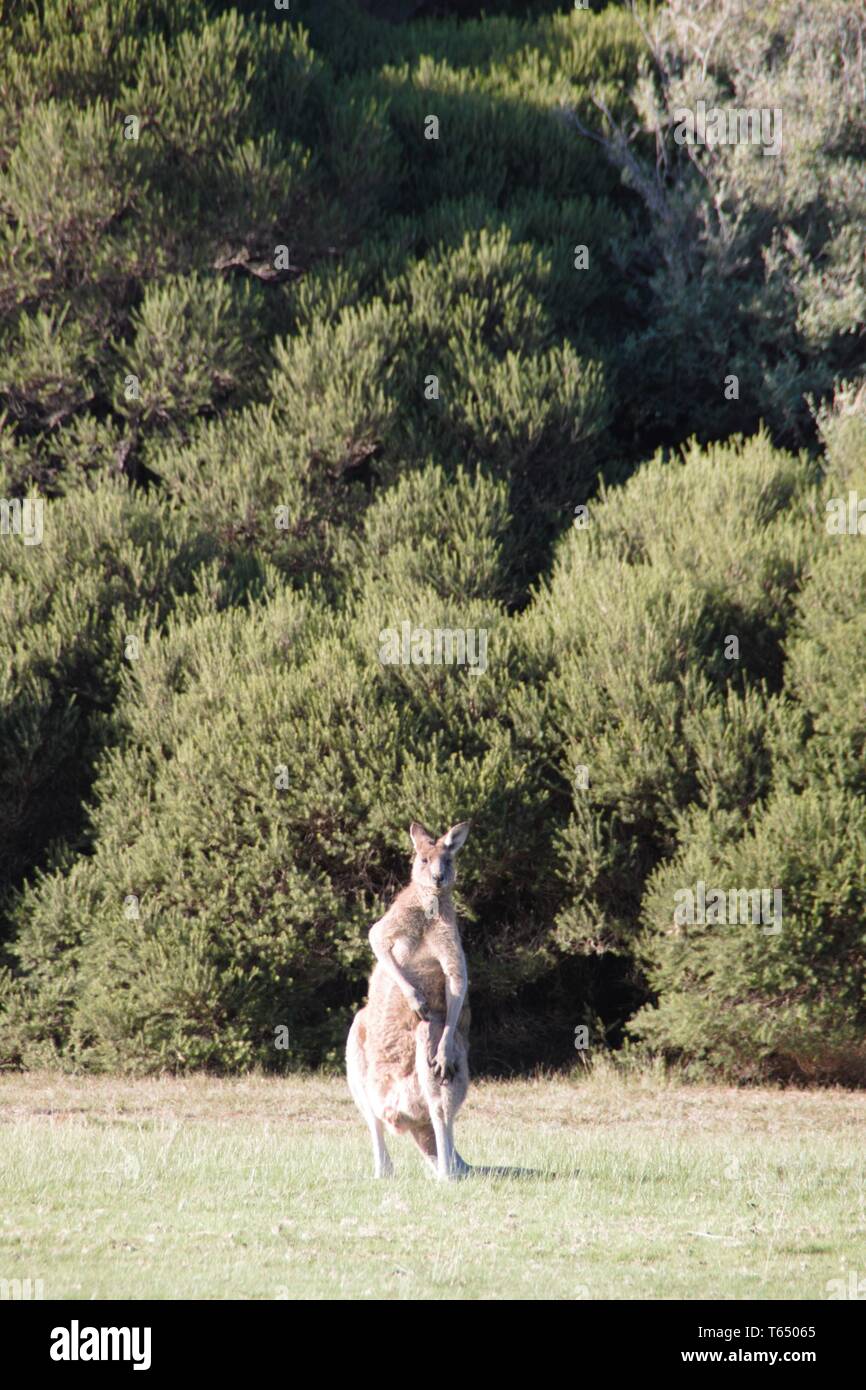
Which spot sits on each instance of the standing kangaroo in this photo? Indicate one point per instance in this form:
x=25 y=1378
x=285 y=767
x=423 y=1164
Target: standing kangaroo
x=407 y=1053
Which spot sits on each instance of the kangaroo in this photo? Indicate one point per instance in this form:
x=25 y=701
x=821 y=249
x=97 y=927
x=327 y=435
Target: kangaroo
x=407 y=1054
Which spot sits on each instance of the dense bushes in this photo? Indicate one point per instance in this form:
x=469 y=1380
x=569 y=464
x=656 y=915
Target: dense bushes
x=287 y=376
x=750 y=270
x=742 y=998
x=72 y=608
x=255 y=807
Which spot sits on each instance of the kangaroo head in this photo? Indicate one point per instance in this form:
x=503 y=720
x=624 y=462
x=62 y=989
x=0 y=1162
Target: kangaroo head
x=433 y=865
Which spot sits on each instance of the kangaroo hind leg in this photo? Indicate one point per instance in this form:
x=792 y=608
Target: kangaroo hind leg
x=356 y=1076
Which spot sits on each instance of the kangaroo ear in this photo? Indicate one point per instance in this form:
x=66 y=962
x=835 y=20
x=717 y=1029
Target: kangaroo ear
x=420 y=837
x=456 y=836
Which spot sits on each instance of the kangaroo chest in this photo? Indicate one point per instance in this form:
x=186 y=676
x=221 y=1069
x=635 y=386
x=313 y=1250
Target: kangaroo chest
x=425 y=955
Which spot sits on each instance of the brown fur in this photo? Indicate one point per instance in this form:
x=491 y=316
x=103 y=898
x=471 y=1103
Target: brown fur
x=406 y=1068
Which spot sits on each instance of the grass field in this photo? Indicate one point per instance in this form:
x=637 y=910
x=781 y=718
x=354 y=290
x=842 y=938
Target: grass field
x=261 y=1188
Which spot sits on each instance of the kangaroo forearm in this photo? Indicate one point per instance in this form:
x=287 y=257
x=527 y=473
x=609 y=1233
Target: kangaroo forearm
x=386 y=960
x=455 y=996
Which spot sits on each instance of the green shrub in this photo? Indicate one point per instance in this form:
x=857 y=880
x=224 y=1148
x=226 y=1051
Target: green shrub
x=734 y=997
x=632 y=631
x=288 y=376
x=191 y=350
x=109 y=566
x=742 y=263
x=258 y=836
x=737 y=999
